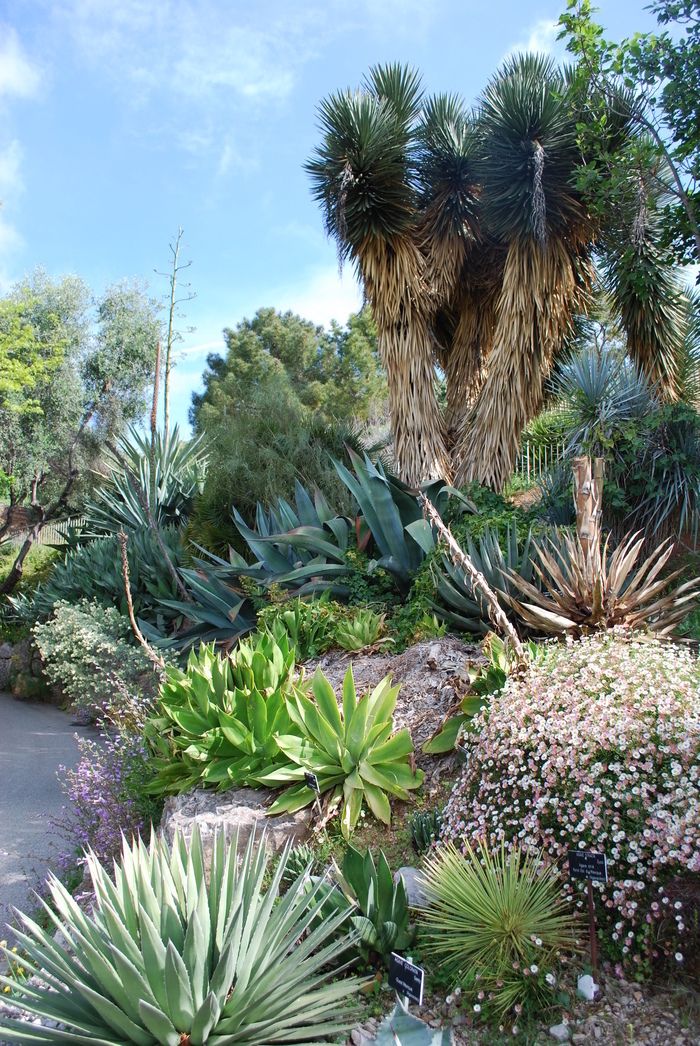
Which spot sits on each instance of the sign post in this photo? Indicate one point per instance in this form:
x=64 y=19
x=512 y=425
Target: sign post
x=311 y=782
x=584 y=864
x=406 y=979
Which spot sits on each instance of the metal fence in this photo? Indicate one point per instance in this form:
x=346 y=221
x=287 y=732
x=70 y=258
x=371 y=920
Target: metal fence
x=536 y=459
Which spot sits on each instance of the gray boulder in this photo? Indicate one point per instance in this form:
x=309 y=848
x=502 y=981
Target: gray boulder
x=241 y=810
x=413 y=881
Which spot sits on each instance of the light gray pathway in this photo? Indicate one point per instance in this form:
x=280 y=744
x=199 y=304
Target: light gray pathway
x=35 y=739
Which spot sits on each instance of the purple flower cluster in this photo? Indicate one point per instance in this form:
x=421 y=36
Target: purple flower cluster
x=105 y=793
x=597 y=747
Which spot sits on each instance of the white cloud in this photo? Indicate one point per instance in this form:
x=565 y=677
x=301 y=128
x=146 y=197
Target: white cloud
x=197 y=49
x=10 y=187
x=323 y=296
x=18 y=76
x=542 y=39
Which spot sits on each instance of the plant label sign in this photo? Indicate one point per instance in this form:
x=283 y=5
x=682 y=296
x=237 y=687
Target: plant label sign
x=584 y=864
x=312 y=781
x=406 y=978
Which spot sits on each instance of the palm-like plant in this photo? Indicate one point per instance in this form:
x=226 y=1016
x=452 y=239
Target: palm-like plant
x=364 y=177
x=583 y=590
x=170 y=955
x=498 y=916
x=167 y=474
x=474 y=239
x=531 y=206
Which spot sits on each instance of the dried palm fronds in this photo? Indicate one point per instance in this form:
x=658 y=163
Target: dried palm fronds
x=542 y=290
x=585 y=591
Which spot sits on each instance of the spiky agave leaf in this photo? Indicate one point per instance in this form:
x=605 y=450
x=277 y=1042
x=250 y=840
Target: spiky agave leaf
x=354 y=752
x=585 y=591
x=180 y=468
x=216 y=723
x=170 y=955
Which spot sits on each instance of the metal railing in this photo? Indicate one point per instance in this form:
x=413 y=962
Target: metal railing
x=534 y=459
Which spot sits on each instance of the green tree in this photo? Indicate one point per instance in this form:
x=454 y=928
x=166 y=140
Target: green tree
x=106 y=365
x=26 y=359
x=652 y=79
x=335 y=374
x=286 y=397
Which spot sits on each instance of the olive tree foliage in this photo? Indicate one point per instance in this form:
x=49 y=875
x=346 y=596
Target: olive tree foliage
x=55 y=421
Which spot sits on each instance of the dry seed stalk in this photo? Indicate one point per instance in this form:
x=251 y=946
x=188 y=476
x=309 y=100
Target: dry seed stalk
x=462 y=560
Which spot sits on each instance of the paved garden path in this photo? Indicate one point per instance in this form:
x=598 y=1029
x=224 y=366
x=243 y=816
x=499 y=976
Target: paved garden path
x=35 y=739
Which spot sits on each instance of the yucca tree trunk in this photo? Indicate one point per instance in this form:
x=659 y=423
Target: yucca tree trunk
x=588 y=503
x=395 y=287
x=543 y=288
x=467 y=360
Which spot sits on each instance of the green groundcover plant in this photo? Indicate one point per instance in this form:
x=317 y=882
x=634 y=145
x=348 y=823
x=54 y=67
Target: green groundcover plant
x=172 y=956
x=597 y=747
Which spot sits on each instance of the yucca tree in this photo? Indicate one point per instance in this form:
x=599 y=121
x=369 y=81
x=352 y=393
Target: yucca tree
x=532 y=208
x=364 y=176
x=474 y=240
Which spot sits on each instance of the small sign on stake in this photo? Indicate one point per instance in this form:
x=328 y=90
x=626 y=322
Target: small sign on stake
x=406 y=978
x=312 y=781
x=585 y=864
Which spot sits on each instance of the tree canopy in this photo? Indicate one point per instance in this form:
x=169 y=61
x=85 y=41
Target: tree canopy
x=653 y=79
x=89 y=366
x=336 y=375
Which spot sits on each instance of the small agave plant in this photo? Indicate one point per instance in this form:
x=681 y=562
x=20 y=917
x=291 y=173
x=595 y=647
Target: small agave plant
x=170 y=957
x=401 y=1028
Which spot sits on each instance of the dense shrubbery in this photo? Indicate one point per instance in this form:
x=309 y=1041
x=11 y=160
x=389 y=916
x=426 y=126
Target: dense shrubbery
x=597 y=747
x=86 y=651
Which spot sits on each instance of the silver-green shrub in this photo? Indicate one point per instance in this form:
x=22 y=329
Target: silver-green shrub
x=86 y=652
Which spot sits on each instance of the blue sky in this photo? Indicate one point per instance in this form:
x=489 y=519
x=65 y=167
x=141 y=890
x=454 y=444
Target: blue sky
x=122 y=119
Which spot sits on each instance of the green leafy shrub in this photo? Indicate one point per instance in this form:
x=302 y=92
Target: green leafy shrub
x=597 y=746
x=358 y=629
x=169 y=955
x=309 y=624
x=353 y=753
x=424 y=826
x=86 y=650
x=498 y=922
x=218 y=722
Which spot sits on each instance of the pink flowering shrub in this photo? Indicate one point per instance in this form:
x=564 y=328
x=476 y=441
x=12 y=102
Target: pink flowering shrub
x=597 y=747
